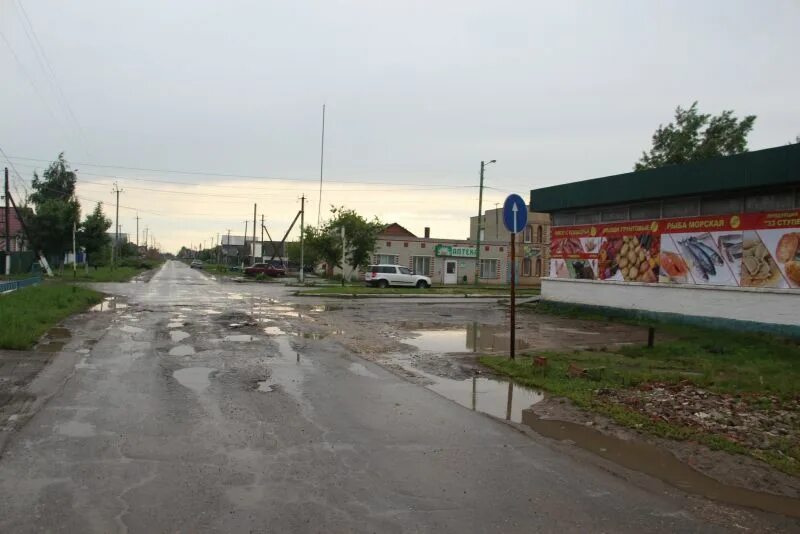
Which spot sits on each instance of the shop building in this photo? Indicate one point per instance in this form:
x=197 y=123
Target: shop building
x=717 y=239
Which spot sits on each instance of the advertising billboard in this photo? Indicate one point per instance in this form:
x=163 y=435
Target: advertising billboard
x=742 y=250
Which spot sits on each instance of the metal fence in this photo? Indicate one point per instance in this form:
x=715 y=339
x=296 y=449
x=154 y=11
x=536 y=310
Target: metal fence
x=13 y=285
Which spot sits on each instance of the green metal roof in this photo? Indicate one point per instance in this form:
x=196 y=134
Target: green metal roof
x=761 y=168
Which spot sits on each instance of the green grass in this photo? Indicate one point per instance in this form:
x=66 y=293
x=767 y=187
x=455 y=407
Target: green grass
x=103 y=274
x=360 y=289
x=28 y=313
x=751 y=366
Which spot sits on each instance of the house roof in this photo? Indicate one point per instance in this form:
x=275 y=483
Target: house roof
x=14 y=224
x=395 y=230
x=779 y=166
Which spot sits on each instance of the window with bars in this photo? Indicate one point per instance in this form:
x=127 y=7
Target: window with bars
x=526 y=267
x=528 y=234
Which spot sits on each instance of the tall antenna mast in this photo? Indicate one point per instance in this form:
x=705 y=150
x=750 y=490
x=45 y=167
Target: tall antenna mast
x=321 y=161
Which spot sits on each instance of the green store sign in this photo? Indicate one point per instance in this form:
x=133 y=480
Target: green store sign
x=454 y=251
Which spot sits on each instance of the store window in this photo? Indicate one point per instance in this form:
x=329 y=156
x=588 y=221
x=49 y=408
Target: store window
x=538 y=270
x=564 y=219
x=587 y=217
x=421 y=265
x=689 y=207
x=528 y=234
x=539 y=234
x=651 y=210
x=614 y=214
x=720 y=206
x=775 y=201
x=526 y=267
x=488 y=268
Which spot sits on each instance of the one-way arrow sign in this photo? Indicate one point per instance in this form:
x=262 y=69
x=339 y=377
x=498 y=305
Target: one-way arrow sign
x=515 y=214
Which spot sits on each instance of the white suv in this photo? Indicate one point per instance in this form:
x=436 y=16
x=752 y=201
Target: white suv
x=394 y=275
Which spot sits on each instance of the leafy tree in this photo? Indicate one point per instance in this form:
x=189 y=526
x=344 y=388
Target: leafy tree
x=696 y=136
x=56 y=209
x=93 y=234
x=321 y=245
x=312 y=249
x=360 y=235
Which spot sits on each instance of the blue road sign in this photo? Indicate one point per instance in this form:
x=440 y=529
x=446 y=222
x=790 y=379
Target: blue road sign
x=515 y=213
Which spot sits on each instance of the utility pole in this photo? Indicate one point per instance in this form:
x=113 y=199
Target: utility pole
x=74 y=253
x=229 y=244
x=254 y=233
x=146 y=228
x=7 y=227
x=496 y=221
x=480 y=226
x=245 y=241
x=321 y=161
x=302 y=228
x=262 y=236
x=116 y=226
x=137 y=233
x=343 y=252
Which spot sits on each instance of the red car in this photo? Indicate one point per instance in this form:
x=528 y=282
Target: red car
x=265 y=268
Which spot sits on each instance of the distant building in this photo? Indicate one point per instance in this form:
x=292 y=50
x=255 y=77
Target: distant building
x=14 y=231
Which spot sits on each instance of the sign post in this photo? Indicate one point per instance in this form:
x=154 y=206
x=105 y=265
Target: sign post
x=515 y=217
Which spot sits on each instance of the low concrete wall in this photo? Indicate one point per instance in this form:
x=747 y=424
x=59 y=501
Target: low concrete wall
x=751 y=305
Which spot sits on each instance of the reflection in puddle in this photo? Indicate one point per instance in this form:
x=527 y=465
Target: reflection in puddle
x=108 y=304
x=239 y=338
x=286 y=369
x=178 y=335
x=194 y=378
x=273 y=331
x=265 y=386
x=181 y=350
x=53 y=346
x=474 y=338
x=495 y=397
x=59 y=333
x=132 y=329
x=649 y=459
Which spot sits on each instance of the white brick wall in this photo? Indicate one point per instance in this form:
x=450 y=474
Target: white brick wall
x=745 y=304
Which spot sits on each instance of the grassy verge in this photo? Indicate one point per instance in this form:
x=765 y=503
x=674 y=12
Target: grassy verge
x=455 y=290
x=127 y=269
x=28 y=313
x=731 y=391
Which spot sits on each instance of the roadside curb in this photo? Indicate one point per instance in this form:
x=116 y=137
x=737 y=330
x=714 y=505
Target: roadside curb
x=397 y=296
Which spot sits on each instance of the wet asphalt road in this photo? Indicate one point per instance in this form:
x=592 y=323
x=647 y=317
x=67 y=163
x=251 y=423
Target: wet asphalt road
x=177 y=422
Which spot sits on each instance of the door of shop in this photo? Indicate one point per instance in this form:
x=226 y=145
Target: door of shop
x=450 y=272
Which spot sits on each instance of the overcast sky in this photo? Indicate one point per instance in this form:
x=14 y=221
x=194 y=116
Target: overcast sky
x=417 y=94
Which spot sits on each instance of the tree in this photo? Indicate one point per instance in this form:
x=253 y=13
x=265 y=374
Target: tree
x=93 y=235
x=56 y=209
x=360 y=235
x=696 y=136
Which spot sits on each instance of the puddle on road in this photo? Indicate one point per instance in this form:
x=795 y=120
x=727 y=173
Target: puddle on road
x=361 y=370
x=273 y=331
x=659 y=463
x=76 y=429
x=474 y=338
x=178 y=335
x=131 y=329
x=181 y=350
x=59 y=332
x=265 y=386
x=492 y=396
x=195 y=378
x=52 y=346
x=108 y=304
x=286 y=369
x=240 y=338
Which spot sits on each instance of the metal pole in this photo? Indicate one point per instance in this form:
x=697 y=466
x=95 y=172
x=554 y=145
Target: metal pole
x=229 y=244
x=480 y=225
x=262 y=237
x=513 y=295
x=137 y=234
x=7 y=227
x=321 y=161
x=116 y=229
x=510 y=400
x=302 y=230
x=245 y=243
x=74 y=254
x=254 y=233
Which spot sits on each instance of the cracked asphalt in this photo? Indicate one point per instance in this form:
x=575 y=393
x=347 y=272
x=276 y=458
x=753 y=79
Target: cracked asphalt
x=181 y=416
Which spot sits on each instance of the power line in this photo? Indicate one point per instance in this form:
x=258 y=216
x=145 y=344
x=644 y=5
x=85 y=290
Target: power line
x=39 y=51
x=243 y=176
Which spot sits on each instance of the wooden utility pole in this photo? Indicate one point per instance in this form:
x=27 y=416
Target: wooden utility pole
x=245 y=242
x=262 y=236
x=137 y=233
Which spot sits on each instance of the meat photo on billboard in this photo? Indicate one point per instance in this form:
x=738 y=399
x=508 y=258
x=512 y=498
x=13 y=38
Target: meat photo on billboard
x=566 y=246
x=784 y=245
x=630 y=258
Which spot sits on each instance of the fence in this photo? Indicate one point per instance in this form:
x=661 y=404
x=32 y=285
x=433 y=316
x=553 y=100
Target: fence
x=13 y=285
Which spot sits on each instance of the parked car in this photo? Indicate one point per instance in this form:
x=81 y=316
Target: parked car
x=196 y=264
x=394 y=275
x=265 y=268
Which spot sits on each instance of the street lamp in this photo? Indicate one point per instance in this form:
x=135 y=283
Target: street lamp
x=480 y=224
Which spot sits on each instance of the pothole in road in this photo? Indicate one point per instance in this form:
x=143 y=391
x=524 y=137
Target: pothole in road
x=109 y=304
x=181 y=350
x=265 y=386
x=178 y=335
x=273 y=331
x=131 y=329
x=240 y=338
x=195 y=378
x=659 y=463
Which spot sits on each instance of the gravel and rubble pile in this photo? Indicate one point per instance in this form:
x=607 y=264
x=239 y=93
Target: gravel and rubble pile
x=757 y=421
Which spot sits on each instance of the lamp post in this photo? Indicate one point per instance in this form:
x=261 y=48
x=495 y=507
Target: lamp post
x=480 y=225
